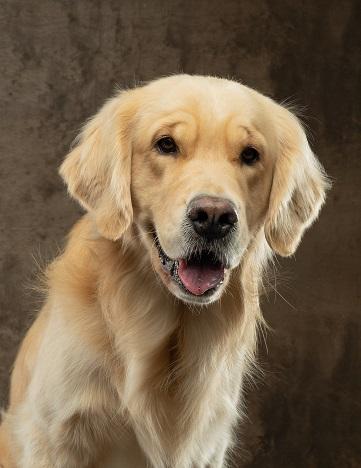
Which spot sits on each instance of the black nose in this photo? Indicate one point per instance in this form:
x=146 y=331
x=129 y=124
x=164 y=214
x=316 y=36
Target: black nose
x=212 y=217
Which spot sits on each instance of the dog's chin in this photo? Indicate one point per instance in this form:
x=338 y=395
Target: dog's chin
x=198 y=280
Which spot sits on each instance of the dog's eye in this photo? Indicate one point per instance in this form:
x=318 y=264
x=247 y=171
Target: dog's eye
x=166 y=145
x=249 y=155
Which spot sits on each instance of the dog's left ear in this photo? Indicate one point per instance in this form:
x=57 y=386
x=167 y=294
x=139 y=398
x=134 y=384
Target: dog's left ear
x=298 y=189
x=97 y=170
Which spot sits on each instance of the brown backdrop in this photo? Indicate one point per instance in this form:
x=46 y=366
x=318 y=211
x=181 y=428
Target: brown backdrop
x=60 y=59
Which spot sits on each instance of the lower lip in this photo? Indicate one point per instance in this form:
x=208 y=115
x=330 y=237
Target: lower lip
x=207 y=293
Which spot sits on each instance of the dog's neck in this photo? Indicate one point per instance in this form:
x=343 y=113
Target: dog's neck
x=138 y=309
x=133 y=286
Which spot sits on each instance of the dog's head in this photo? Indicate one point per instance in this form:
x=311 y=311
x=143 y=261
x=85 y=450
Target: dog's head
x=200 y=165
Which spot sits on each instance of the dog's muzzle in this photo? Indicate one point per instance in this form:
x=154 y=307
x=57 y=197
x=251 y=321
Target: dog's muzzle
x=209 y=224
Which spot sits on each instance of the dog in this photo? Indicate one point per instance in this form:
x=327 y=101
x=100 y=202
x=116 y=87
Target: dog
x=149 y=328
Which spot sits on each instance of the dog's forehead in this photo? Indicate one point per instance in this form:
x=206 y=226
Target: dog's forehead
x=204 y=104
x=213 y=95
x=208 y=100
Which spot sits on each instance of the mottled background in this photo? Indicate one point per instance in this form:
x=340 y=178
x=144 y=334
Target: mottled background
x=60 y=59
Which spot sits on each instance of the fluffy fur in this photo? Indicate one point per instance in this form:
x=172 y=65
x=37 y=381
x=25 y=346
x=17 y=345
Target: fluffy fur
x=121 y=368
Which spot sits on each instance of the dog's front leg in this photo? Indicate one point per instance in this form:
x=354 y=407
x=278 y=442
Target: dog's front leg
x=31 y=448
x=219 y=458
x=62 y=445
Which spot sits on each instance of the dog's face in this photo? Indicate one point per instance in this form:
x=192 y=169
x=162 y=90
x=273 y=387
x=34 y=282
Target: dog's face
x=200 y=165
x=201 y=179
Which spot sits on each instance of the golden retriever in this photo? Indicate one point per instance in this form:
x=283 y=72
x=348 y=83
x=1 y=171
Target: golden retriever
x=138 y=356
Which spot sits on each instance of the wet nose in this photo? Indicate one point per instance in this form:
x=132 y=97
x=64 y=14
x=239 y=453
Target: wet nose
x=212 y=217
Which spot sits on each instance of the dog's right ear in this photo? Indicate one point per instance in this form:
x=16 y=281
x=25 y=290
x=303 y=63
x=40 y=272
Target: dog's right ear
x=97 y=171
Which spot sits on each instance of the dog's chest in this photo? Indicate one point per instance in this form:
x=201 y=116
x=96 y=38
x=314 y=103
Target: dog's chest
x=186 y=406
x=173 y=427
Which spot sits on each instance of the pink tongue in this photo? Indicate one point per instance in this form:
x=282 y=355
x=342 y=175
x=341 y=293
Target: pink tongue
x=199 y=278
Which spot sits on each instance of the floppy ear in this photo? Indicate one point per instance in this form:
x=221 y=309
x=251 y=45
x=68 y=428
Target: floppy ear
x=97 y=170
x=298 y=189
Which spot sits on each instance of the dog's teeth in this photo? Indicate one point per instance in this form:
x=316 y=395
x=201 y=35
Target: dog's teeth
x=174 y=269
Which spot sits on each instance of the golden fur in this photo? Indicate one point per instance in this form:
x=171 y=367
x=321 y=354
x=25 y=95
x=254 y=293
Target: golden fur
x=121 y=369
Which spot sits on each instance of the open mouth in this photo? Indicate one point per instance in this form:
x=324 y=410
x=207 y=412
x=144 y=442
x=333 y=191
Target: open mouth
x=200 y=274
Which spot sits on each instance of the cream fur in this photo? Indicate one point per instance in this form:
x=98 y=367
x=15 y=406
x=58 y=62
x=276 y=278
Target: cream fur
x=116 y=371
